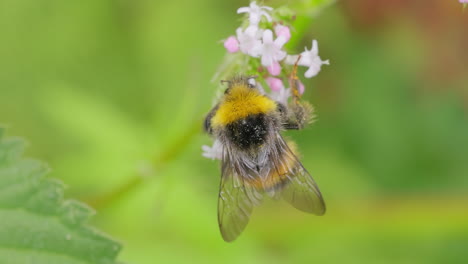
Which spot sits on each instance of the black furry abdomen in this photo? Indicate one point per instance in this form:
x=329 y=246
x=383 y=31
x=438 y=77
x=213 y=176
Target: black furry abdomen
x=248 y=132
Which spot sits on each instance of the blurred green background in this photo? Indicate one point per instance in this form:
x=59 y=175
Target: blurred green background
x=111 y=95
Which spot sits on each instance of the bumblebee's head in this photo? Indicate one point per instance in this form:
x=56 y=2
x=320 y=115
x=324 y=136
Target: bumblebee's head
x=240 y=82
x=241 y=99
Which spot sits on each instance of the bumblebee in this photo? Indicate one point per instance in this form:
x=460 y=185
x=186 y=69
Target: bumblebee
x=256 y=159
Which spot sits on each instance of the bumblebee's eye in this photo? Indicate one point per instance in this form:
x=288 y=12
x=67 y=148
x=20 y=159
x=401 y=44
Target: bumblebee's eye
x=251 y=83
x=228 y=82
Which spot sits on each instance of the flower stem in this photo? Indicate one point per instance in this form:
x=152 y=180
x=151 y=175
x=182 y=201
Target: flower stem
x=168 y=155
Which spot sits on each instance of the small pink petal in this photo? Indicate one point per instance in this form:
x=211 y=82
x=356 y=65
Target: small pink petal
x=274 y=68
x=283 y=31
x=231 y=44
x=300 y=87
x=275 y=84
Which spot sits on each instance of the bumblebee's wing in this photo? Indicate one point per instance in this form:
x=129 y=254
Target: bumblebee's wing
x=298 y=187
x=236 y=198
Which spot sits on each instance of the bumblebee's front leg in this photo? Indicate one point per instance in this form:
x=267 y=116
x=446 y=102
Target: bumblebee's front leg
x=207 y=123
x=297 y=115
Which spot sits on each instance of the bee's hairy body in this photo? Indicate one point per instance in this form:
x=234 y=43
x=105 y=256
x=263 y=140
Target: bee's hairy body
x=246 y=126
x=255 y=158
x=248 y=133
x=244 y=117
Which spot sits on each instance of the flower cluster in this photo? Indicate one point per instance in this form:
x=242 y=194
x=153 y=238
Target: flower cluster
x=259 y=42
x=262 y=41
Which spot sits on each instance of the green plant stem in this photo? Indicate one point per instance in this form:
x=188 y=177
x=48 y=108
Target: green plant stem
x=168 y=155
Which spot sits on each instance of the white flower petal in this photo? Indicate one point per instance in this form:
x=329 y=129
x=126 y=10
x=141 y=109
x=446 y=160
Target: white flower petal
x=306 y=59
x=243 y=10
x=259 y=33
x=281 y=96
x=314 y=49
x=280 y=55
x=206 y=148
x=248 y=41
x=213 y=152
x=311 y=59
x=267 y=16
x=266 y=60
x=272 y=49
x=267 y=36
x=280 y=41
x=251 y=31
x=311 y=72
x=291 y=59
x=256 y=12
x=260 y=88
x=254 y=18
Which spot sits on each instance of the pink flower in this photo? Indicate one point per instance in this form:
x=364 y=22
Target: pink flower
x=231 y=44
x=279 y=93
x=275 y=84
x=274 y=69
x=300 y=87
x=283 y=31
x=464 y=1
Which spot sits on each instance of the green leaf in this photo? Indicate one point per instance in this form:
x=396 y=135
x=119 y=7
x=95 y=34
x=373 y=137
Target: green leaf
x=36 y=224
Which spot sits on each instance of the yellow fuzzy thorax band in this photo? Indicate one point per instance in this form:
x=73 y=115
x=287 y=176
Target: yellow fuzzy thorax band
x=240 y=102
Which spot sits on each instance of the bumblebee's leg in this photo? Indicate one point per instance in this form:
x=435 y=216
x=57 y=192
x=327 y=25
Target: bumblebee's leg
x=291 y=126
x=287 y=120
x=300 y=114
x=207 y=122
